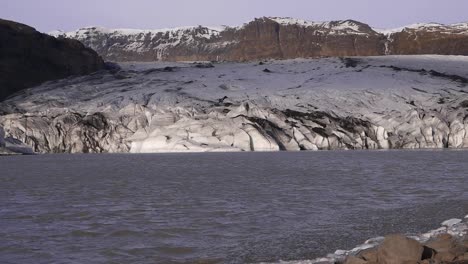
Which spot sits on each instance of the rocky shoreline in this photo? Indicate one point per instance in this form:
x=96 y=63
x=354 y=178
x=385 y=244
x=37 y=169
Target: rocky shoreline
x=447 y=244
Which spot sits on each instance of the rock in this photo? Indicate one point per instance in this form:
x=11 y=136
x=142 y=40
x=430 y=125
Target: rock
x=443 y=242
x=463 y=257
x=429 y=261
x=445 y=256
x=451 y=222
x=369 y=255
x=465 y=244
x=428 y=253
x=398 y=249
x=354 y=260
x=446 y=247
x=47 y=58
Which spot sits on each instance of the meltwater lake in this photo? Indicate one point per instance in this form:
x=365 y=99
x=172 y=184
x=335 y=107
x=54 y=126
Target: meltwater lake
x=220 y=207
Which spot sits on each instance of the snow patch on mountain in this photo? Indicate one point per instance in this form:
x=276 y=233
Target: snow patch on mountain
x=202 y=32
x=335 y=27
x=459 y=28
x=157 y=41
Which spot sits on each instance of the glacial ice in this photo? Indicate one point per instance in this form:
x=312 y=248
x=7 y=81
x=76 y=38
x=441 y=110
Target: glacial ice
x=2 y=137
x=451 y=222
x=303 y=104
x=9 y=146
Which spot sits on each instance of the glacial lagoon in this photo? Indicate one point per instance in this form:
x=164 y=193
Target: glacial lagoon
x=220 y=207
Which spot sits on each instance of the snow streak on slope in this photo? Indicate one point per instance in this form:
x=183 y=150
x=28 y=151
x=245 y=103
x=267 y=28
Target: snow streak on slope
x=352 y=103
x=140 y=41
x=341 y=27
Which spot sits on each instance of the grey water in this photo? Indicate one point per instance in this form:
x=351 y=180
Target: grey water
x=220 y=207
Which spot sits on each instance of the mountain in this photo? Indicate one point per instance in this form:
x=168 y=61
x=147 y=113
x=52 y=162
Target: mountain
x=430 y=38
x=272 y=37
x=386 y=102
x=28 y=58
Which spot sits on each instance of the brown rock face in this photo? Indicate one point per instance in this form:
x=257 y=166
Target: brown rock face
x=464 y=257
x=28 y=58
x=354 y=260
x=446 y=248
x=398 y=249
x=432 y=39
x=369 y=255
x=267 y=38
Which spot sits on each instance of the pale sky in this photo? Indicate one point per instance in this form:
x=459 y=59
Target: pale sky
x=48 y=15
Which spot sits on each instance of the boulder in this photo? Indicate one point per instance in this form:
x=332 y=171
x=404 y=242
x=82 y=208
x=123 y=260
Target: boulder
x=354 y=260
x=465 y=244
x=463 y=257
x=398 y=249
x=28 y=58
x=369 y=255
x=446 y=247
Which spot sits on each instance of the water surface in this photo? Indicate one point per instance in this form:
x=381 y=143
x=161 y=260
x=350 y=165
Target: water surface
x=220 y=207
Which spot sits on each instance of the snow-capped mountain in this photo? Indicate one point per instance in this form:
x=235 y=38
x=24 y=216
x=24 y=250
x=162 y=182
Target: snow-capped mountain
x=261 y=38
x=137 y=45
x=272 y=37
x=458 y=28
x=302 y=104
x=427 y=38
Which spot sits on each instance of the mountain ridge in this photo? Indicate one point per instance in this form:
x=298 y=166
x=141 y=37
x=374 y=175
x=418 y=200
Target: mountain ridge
x=272 y=38
x=60 y=32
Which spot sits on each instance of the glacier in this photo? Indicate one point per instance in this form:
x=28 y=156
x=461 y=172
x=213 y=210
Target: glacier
x=386 y=102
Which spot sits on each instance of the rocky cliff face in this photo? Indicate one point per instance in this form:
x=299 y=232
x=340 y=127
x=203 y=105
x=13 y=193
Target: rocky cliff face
x=28 y=58
x=429 y=39
x=285 y=38
x=387 y=102
x=276 y=38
